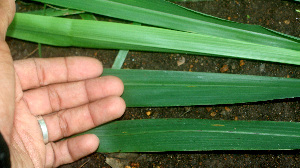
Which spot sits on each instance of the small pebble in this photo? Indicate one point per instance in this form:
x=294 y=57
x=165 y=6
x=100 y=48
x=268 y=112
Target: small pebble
x=213 y=114
x=233 y=66
x=224 y=68
x=227 y=109
x=287 y=22
x=242 y=62
x=181 y=61
x=262 y=67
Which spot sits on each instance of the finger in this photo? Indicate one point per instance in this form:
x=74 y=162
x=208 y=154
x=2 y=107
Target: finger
x=70 y=150
x=57 y=97
x=7 y=11
x=37 y=72
x=7 y=85
x=72 y=121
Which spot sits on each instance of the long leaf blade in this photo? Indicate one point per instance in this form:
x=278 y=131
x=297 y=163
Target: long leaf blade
x=165 y=14
x=159 y=135
x=96 y=34
x=145 y=88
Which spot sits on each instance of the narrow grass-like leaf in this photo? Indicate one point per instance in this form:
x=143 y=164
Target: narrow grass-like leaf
x=96 y=34
x=159 y=135
x=55 y=12
x=120 y=59
x=145 y=88
x=39 y=44
x=87 y=16
x=166 y=14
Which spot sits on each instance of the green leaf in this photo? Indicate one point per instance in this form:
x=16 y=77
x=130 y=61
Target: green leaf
x=87 y=16
x=55 y=12
x=168 y=15
x=107 y=35
x=159 y=135
x=120 y=59
x=146 y=88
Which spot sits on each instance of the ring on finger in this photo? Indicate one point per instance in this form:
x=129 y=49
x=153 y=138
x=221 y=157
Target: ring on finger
x=44 y=129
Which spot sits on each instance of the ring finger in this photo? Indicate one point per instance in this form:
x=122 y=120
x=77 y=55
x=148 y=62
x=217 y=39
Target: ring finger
x=75 y=120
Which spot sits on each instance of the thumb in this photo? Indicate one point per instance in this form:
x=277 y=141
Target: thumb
x=7 y=74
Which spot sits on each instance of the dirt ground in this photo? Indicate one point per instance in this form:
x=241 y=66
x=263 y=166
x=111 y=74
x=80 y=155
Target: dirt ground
x=274 y=14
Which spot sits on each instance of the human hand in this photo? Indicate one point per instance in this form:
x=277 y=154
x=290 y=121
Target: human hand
x=71 y=99
x=65 y=91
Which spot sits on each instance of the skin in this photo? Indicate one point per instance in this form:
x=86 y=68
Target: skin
x=67 y=92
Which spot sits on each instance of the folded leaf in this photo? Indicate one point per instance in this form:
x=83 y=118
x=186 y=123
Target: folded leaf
x=145 y=88
x=159 y=135
x=96 y=34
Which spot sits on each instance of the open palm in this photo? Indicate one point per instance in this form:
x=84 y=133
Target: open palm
x=66 y=92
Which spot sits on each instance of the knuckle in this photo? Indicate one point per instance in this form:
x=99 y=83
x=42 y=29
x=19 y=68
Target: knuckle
x=40 y=72
x=54 y=98
x=63 y=124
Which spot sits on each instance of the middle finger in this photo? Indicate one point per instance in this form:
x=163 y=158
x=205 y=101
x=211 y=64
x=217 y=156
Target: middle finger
x=57 y=97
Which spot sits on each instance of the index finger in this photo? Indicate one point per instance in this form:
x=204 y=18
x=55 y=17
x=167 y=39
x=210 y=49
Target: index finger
x=37 y=72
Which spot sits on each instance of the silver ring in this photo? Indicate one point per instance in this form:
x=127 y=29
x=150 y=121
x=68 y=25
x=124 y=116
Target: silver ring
x=43 y=128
